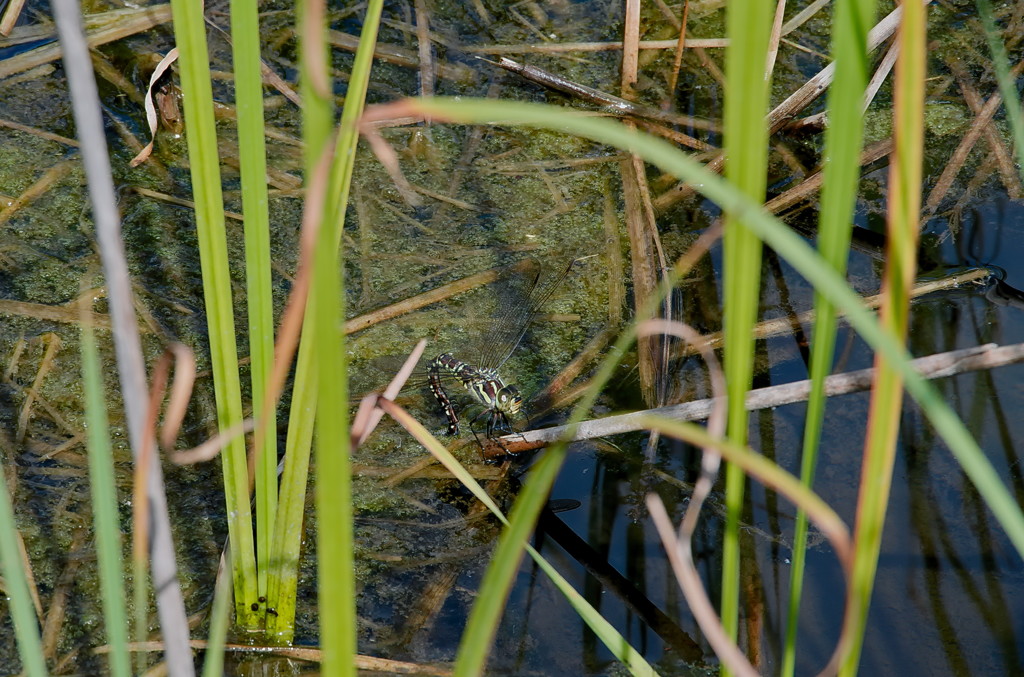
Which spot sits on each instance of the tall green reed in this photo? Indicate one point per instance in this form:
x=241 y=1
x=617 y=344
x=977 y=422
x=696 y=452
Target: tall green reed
x=103 y=494
x=245 y=40
x=904 y=209
x=843 y=140
x=204 y=163
x=746 y=148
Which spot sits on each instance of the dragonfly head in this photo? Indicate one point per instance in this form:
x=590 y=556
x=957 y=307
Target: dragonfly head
x=508 y=401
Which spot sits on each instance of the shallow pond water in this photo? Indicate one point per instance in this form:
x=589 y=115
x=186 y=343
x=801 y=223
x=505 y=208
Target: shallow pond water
x=948 y=597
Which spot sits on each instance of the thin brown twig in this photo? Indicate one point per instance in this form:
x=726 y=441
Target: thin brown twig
x=1007 y=169
x=630 y=49
x=425 y=49
x=779 y=326
x=400 y=56
x=812 y=184
x=613 y=104
x=43 y=134
x=774 y=39
x=303 y=653
x=960 y=154
x=38 y=187
x=677 y=57
x=561 y=47
x=57 y=610
x=430 y=297
x=53 y=344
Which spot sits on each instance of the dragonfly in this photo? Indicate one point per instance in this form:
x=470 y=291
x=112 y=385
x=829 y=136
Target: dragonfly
x=500 y=400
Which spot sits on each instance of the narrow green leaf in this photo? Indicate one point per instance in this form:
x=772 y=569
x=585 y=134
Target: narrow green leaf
x=843 y=141
x=746 y=145
x=204 y=161
x=19 y=601
x=106 y=521
x=245 y=40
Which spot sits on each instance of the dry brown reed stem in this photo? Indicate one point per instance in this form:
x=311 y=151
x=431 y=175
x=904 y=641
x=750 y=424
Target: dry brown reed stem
x=812 y=184
x=774 y=38
x=1004 y=161
x=424 y=48
x=479 y=471
x=57 y=610
x=53 y=344
x=430 y=297
x=617 y=105
x=982 y=124
x=677 y=58
x=41 y=311
x=30 y=577
x=630 y=49
x=780 y=326
x=646 y=256
x=678 y=137
x=591 y=352
x=310 y=654
x=40 y=186
x=562 y=47
x=885 y=66
x=962 y=151
x=788 y=109
x=101 y=29
x=181 y=202
x=49 y=136
x=10 y=17
x=400 y=56
x=648 y=265
x=940 y=365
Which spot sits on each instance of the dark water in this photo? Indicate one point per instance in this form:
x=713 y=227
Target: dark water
x=948 y=596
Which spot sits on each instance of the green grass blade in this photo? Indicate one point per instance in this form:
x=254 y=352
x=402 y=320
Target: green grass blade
x=775 y=234
x=746 y=146
x=337 y=586
x=19 y=601
x=282 y=583
x=904 y=211
x=843 y=140
x=245 y=39
x=334 y=480
x=103 y=492
x=204 y=160
x=317 y=123
x=220 y=619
